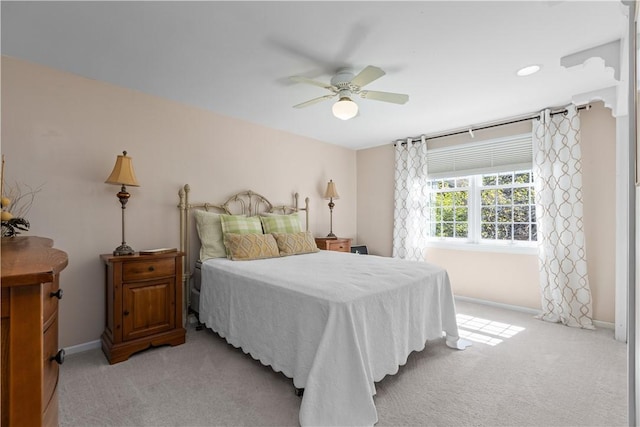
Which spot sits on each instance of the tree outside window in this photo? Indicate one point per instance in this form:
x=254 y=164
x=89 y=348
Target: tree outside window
x=483 y=208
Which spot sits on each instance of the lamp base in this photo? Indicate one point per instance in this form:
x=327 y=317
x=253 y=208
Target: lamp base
x=331 y=236
x=123 y=249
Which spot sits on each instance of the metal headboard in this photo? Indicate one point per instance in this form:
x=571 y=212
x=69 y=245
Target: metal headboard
x=244 y=203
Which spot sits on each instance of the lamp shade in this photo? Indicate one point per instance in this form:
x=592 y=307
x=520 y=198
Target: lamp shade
x=331 y=192
x=345 y=109
x=123 y=173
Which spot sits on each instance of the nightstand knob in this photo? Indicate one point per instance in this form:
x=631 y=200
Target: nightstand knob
x=58 y=294
x=151 y=268
x=59 y=357
x=126 y=312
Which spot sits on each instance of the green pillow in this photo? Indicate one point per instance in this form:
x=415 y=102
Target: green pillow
x=240 y=224
x=281 y=224
x=209 y=229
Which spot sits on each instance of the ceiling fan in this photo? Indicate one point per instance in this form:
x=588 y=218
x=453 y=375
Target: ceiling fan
x=344 y=85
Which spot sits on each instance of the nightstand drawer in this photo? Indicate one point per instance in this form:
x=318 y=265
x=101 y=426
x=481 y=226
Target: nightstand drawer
x=148 y=269
x=339 y=246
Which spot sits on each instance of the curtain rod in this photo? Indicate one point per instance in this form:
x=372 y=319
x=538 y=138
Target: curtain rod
x=509 y=122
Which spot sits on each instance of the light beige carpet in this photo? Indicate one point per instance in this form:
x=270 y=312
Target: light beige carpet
x=543 y=375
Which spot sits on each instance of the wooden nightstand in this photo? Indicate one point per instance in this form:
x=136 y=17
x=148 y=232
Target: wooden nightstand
x=340 y=244
x=143 y=303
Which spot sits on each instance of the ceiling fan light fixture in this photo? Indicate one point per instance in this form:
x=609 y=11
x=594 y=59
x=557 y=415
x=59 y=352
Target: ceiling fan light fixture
x=345 y=108
x=344 y=84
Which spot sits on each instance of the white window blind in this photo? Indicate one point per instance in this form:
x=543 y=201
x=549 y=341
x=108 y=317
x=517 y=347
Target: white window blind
x=496 y=155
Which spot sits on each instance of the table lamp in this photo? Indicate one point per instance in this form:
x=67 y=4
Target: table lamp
x=330 y=194
x=123 y=174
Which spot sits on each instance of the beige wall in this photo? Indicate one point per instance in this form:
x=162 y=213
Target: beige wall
x=64 y=132
x=598 y=130
x=500 y=277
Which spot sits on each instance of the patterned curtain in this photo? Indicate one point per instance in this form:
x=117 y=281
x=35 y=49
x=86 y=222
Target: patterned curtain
x=557 y=169
x=411 y=201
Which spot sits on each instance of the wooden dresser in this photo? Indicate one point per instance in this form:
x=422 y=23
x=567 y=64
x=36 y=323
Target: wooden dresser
x=29 y=328
x=144 y=303
x=339 y=244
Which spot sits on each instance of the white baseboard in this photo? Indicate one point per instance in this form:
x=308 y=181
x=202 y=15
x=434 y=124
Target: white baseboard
x=532 y=311
x=91 y=345
x=519 y=308
x=604 y=325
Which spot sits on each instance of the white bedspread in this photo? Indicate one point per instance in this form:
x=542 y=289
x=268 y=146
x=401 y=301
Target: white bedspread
x=333 y=322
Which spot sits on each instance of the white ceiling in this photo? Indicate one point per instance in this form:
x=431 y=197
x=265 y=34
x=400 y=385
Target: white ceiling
x=456 y=60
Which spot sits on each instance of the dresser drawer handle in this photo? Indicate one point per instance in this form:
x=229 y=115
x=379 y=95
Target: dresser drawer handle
x=126 y=312
x=151 y=268
x=58 y=294
x=59 y=357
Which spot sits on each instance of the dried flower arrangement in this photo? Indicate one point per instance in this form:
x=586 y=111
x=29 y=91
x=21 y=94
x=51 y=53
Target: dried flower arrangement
x=15 y=203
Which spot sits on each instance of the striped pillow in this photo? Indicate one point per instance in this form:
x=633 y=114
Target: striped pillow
x=281 y=223
x=295 y=243
x=250 y=246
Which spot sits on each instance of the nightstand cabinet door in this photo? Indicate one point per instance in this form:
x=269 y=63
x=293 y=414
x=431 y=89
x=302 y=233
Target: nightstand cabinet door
x=143 y=303
x=148 y=308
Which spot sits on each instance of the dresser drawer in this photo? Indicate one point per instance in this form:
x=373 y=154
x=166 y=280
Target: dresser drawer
x=50 y=367
x=49 y=301
x=148 y=269
x=4 y=303
x=50 y=415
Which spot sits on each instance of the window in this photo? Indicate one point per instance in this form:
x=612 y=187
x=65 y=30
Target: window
x=483 y=208
x=507 y=207
x=448 y=205
x=482 y=192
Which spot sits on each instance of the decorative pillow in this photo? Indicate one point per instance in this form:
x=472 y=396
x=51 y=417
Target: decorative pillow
x=240 y=224
x=281 y=223
x=249 y=246
x=295 y=243
x=210 y=233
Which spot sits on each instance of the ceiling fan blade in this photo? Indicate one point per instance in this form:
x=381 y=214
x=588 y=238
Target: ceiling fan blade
x=300 y=79
x=366 y=76
x=396 y=98
x=313 y=101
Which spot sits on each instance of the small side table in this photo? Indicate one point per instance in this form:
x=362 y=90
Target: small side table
x=143 y=303
x=339 y=244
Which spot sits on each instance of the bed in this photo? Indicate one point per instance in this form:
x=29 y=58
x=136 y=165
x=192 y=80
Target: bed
x=333 y=322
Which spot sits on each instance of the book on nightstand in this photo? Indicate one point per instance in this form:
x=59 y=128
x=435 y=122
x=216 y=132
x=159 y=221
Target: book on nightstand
x=157 y=251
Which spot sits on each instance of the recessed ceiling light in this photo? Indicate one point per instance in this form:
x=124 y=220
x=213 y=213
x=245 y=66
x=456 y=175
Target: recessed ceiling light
x=527 y=71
